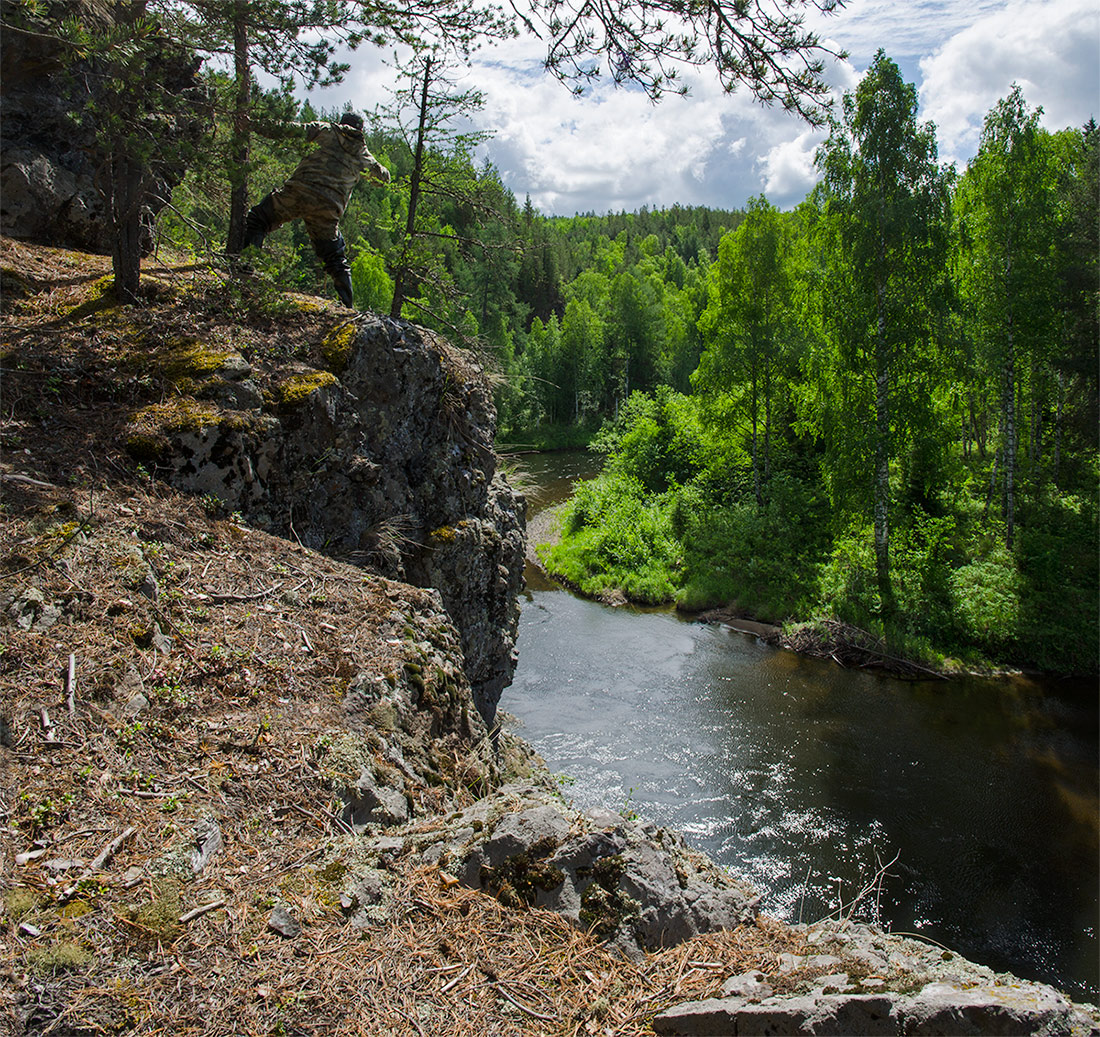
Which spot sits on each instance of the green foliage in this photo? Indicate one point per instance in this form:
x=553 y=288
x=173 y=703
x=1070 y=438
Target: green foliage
x=735 y=360
x=372 y=285
x=617 y=537
x=762 y=560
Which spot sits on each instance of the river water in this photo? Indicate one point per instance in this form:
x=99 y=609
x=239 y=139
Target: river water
x=808 y=779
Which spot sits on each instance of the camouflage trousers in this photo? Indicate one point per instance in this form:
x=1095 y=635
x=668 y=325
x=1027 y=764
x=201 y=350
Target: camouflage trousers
x=296 y=200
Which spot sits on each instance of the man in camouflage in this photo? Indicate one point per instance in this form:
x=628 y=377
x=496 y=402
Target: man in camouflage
x=318 y=192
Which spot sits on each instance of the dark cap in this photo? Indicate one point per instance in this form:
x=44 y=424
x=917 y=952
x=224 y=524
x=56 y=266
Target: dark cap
x=352 y=119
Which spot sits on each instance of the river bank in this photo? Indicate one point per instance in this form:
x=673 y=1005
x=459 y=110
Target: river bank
x=250 y=809
x=790 y=769
x=825 y=638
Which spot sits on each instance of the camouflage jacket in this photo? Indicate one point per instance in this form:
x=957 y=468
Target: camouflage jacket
x=332 y=169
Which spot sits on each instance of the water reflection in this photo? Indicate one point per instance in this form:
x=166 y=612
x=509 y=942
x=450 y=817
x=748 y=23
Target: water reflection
x=804 y=777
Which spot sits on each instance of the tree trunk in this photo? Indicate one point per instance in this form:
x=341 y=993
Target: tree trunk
x=882 y=455
x=239 y=155
x=978 y=428
x=767 y=417
x=401 y=278
x=753 y=364
x=992 y=487
x=1058 y=426
x=127 y=180
x=1010 y=437
x=1009 y=387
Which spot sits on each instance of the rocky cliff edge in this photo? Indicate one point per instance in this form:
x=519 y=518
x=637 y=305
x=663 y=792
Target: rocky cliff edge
x=256 y=564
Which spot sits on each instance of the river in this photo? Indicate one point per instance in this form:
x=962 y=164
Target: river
x=808 y=779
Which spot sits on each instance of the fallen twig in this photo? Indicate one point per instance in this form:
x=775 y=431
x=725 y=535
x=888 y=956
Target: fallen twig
x=451 y=984
x=502 y=989
x=70 y=685
x=197 y=912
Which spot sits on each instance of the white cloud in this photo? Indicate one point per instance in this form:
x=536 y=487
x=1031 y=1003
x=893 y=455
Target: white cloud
x=788 y=168
x=614 y=150
x=1049 y=47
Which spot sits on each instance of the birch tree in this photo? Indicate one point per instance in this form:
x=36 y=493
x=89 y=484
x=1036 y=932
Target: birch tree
x=749 y=295
x=886 y=199
x=1007 y=227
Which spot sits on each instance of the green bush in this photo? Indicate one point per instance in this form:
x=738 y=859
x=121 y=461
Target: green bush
x=613 y=537
x=986 y=599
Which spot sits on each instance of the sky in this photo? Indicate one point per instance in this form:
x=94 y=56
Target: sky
x=613 y=150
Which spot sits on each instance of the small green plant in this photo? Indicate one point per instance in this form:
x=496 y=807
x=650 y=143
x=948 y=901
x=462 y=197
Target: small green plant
x=128 y=734
x=40 y=814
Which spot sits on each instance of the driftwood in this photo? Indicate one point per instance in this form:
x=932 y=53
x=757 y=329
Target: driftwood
x=850 y=646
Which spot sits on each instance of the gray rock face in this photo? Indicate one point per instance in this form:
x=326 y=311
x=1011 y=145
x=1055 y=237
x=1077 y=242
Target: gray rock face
x=372 y=802
x=914 y=989
x=49 y=164
x=390 y=464
x=637 y=886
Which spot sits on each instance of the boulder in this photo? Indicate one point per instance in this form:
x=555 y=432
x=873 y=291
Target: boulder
x=636 y=886
x=915 y=989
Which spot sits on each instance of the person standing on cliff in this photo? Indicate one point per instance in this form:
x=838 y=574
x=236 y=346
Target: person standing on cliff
x=318 y=191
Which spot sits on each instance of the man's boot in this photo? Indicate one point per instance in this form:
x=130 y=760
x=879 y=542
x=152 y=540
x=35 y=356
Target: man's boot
x=334 y=257
x=258 y=223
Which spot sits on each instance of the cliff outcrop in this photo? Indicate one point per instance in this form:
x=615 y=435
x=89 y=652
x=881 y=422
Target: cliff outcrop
x=52 y=160
x=381 y=453
x=257 y=571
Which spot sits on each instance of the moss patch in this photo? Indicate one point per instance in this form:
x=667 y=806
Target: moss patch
x=63 y=956
x=297 y=389
x=336 y=347
x=604 y=907
x=517 y=881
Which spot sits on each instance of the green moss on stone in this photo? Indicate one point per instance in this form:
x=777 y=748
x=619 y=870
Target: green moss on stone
x=336 y=348
x=299 y=388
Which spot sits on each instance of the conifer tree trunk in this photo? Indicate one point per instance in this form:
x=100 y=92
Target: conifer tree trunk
x=401 y=280
x=238 y=197
x=126 y=175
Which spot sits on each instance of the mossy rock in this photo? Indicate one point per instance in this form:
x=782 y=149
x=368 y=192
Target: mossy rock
x=297 y=389
x=442 y=535
x=191 y=359
x=151 y=429
x=336 y=347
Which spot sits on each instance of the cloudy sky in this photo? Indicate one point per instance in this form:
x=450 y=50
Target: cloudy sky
x=613 y=150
